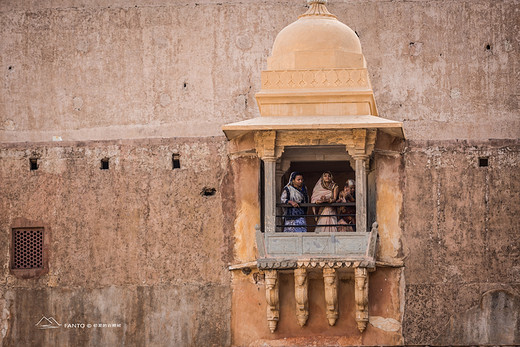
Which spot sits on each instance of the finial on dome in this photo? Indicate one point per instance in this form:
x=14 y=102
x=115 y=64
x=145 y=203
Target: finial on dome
x=317 y=8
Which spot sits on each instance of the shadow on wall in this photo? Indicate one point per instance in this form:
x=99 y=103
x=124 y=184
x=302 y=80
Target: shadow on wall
x=495 y=321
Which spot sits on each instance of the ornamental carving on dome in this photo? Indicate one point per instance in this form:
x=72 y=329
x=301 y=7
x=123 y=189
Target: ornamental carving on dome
x=317 y=8
x=330 y=78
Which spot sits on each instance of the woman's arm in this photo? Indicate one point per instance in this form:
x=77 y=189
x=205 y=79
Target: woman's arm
x=335 y=194
x=284 y=199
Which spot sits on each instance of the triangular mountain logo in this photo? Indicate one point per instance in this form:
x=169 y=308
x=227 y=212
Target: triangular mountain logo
x=47 y=323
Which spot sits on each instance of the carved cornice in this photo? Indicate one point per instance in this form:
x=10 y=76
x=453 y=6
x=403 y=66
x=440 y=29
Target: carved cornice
x=314 y=79
x=289 y=264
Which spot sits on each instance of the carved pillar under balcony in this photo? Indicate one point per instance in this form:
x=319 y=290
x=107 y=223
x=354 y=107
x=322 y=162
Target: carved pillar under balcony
x=272 y=297
x=300 y=293
x=361 y=297
x=330 y=280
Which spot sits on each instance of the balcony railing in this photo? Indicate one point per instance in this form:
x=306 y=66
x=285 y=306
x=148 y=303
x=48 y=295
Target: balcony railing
x=312 y=219
x=320 y=241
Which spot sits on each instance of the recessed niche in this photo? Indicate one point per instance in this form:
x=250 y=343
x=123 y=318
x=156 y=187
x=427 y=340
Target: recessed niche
x=105 y=163
x=176 y=161
x=483 y=161
x=33 y=162
x=208 y=191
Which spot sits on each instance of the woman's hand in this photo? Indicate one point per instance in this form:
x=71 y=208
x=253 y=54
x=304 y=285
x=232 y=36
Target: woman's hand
x=293 y=203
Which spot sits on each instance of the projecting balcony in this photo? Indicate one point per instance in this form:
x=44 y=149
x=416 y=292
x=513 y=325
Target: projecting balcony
x=340 y=243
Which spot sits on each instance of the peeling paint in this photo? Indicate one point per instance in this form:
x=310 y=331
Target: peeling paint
x=386 y=324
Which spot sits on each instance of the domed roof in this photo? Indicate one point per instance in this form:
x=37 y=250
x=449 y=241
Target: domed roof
x=317 y=40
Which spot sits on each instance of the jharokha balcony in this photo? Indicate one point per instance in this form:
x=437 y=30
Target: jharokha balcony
x=285 y=249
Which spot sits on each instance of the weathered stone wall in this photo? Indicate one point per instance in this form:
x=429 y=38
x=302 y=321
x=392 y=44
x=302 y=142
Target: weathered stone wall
x=460 y=240
x=139 y=245
x=138 y=69
x=136 y=244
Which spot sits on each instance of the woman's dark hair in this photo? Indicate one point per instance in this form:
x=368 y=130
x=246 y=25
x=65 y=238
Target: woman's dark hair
x=294 y=174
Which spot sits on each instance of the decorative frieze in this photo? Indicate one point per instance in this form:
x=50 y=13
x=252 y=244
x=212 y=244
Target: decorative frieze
x=290 y=264
x=323 y=79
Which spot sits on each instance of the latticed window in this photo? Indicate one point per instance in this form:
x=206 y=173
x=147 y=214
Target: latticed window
x=27 y=248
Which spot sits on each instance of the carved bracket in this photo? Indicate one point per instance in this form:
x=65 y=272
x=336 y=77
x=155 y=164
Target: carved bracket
x=361 y=144
x=330 y=280
x=300 y=293
x=361 y=296
x=266 y=147
x=272 y=297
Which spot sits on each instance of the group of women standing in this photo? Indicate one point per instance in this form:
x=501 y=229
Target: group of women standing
x=325 y=191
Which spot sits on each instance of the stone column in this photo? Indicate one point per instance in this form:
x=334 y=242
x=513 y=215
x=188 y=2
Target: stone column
x=361 y=193
x=270 y=193
x=278 y=187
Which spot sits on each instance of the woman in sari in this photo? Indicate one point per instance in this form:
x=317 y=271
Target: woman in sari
x=347 y=223
x=295 y=193
x=325 y=191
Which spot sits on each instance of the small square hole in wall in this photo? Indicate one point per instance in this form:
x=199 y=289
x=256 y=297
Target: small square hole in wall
x=176 y=162
x=483 y=161
x=104 y=164
x=33 y=162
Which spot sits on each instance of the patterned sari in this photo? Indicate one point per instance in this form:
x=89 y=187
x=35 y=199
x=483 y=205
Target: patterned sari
x=294 y=217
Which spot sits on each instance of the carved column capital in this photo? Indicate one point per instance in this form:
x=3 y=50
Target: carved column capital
x=361 y=143
x=265 y=144
x=272 y=298
x=330 y=280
